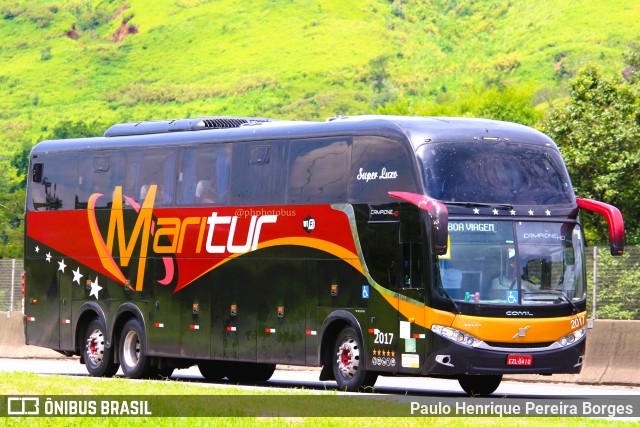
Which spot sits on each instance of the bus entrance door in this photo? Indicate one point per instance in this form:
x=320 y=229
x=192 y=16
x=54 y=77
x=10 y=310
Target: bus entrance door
x=411 y=289
x=411 y=337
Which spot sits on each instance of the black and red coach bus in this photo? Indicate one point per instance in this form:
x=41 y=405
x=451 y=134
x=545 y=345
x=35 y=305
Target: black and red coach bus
x=372 y=245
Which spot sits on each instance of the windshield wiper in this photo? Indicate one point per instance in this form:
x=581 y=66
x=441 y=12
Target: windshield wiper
x=480 y=205
x=446 y=294
x=560 y=294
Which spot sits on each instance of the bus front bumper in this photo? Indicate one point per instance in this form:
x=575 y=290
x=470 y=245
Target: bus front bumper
x=447 y=358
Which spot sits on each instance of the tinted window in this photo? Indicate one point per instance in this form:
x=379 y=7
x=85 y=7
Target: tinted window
x=68 y=180
x=379 y=165
x=204 y=175
x=258 y=173
x=57 y=187
x=98 y=173
x=318 y=171
x=146 y=168
x=495 y=173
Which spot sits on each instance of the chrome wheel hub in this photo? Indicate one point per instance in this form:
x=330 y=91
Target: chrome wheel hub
x=348 y=357
x=95 y=347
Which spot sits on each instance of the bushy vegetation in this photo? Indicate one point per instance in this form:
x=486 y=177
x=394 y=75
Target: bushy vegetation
x=71 y=68
x=617 y=287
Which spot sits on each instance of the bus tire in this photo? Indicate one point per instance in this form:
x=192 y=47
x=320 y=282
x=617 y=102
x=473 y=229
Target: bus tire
x=263 y=371
x=134 y=360
x=212 y=370
x=242 y=372
x=349 y=363
x=98 y=358
x=479 y=385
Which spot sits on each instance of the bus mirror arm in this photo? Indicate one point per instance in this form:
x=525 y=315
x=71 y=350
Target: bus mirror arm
x=614 y=220
x=437 y=213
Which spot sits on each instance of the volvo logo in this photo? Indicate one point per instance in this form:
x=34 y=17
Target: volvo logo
x=519 y=313
x=521 y=332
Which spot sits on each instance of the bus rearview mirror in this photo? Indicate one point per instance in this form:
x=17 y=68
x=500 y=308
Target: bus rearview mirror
x=437 y=212
x=614 y=220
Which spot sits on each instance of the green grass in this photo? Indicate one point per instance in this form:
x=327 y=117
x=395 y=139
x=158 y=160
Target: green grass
x=22 y=384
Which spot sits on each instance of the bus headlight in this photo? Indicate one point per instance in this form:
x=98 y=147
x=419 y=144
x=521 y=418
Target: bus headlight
x=455 y=335
x=572 y=338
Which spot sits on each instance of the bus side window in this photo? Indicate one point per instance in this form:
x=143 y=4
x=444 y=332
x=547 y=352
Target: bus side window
x=37 y=192
x=204 y=175
x=258 y=173
x=156 y=169
x=85 y=175
x=319 y=171
x=108 y=171
x=145 y=168
x=55 y=191
x=379 y=165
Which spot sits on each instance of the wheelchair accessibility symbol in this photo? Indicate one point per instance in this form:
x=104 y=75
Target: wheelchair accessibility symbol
x=365 y=291
x=512 y=297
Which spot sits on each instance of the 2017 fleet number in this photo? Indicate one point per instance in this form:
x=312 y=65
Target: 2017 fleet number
x=578 y=323
x=383 y=337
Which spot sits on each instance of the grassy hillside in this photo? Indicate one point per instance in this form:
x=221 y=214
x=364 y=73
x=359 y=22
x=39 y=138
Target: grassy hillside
x=118 y=60
x=143 y=59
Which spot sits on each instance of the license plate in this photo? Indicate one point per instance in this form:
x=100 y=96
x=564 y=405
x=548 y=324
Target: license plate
x=519 y=360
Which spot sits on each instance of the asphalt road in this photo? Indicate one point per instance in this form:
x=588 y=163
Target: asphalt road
x=307 y=378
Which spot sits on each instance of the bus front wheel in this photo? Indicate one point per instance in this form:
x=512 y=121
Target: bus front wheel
x=98 y=358
x=479 y=385
x=134 y=360
x=349 y=366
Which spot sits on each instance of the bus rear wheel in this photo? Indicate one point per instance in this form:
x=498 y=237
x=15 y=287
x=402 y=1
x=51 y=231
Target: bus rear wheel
x=349 y=367
x=134 y=360
x=212 y=370
x=479 y=385
x=98 y=358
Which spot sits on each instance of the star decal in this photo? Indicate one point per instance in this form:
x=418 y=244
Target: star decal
x=548 y=212
x=61 y=265
x=48 y=256
x=76 y=275
x=95 y=288
x=37 y=249
x=476 y=211
x=513 y=211
x=495 y=211
x=530 y=212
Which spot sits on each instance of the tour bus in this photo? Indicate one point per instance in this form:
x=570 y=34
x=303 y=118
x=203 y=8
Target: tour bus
x=369 y=245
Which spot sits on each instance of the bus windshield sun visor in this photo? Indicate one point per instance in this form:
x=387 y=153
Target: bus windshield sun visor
x=614 y=220
x=437 y=213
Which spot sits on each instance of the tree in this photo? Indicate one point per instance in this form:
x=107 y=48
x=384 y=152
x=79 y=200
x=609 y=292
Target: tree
x=598 y=133
x=79 y=129
x=12 y=224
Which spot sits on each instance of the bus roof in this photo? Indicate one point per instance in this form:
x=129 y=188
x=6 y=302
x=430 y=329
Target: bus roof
x=418 y=130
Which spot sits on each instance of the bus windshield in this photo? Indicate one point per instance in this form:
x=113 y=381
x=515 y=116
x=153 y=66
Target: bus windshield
x=495 y=172
x=513 y=262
